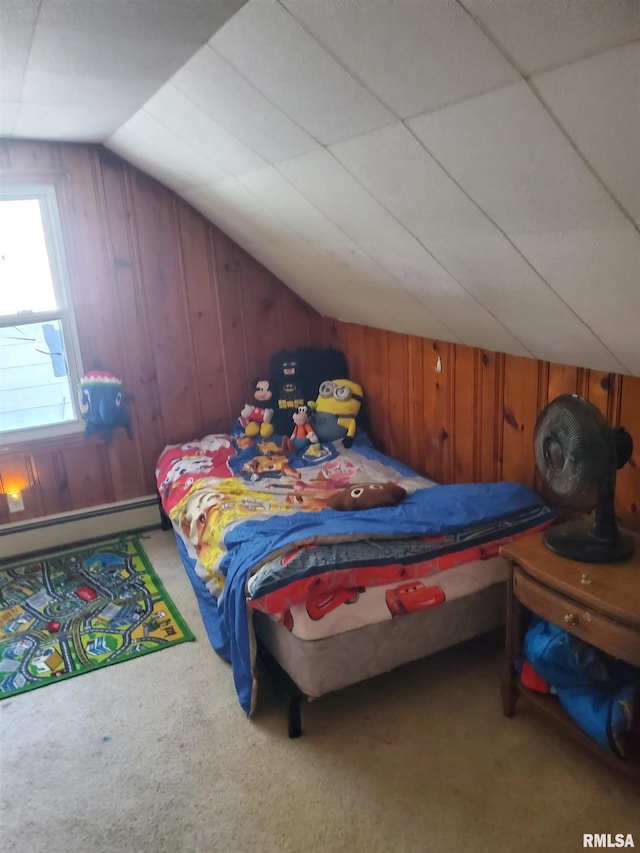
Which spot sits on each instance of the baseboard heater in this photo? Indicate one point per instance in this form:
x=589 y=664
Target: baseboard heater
x=71 y=528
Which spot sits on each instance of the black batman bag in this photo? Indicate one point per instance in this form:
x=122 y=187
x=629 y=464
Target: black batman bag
x=295 y=376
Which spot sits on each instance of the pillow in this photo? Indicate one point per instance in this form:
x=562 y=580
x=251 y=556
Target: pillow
x=366 y=496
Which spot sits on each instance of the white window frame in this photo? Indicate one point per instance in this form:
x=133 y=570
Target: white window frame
x=45 y=194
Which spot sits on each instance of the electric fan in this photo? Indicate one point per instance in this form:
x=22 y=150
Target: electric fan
x=577 y=454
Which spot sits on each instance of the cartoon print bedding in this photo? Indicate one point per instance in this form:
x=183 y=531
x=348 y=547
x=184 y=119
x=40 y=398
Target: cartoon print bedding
x=257 y=519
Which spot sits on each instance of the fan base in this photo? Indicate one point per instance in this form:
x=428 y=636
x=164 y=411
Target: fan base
x=578 y=540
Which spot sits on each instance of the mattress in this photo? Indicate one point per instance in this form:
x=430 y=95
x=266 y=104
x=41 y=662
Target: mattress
x=331 y=663
x=352 y=607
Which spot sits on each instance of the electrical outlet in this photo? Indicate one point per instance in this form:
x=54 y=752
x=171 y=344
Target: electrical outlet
x=14 y=499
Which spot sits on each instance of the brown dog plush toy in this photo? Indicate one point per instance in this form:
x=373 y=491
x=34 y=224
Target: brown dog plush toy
x=366 y=496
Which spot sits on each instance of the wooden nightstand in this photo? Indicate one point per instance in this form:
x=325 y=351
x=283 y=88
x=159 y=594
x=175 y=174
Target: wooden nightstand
x=600 y=603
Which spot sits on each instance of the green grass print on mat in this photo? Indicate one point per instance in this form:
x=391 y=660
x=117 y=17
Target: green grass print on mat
x=67 y=613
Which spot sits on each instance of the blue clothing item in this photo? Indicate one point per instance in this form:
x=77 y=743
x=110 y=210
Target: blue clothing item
x=600 y=693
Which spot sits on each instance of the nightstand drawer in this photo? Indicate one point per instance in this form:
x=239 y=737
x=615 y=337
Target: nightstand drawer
x=616 y=638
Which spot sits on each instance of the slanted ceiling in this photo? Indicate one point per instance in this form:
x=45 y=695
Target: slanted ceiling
x=465 y=170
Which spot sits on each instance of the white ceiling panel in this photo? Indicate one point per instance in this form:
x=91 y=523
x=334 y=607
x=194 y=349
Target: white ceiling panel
x=343 y=200
x=17 y=20
x=498 y=212
x=272 y=51
x=344 y=262
x=445 y=56
x=543 y=34
x=506 y=152
x=147 y=144
x=191 y=124
x=67 y=123
x=397 y=170
x=8 y=115
x=598 y=274
x=116 y=37
x=231 y=206
x=597 y=103
x=529 y=179
x=498 y=275
x=105 y=58
x=236 y=105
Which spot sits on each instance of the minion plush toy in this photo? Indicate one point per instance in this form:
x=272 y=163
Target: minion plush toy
x=336 y=409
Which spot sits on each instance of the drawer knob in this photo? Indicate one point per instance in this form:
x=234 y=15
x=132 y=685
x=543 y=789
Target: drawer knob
x=571 y=619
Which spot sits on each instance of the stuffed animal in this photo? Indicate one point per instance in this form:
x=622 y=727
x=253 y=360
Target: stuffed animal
x=336 y=409
x=302 y=431
x=255 y=419
x=101 y=403
x=366 y=496
x=269 y=466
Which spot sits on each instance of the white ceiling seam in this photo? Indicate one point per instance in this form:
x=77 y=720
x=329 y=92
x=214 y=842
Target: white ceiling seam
x=540 y=277
x=253 y=182
x=538 y=352
x=461 y=333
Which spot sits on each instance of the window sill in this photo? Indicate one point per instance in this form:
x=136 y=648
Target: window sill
x=62 y=441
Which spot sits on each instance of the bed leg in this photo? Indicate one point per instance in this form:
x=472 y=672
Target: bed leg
x=288 y=687
x=294 y=722
x=165 y=521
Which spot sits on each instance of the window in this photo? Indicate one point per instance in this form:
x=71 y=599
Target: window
x=39 y=355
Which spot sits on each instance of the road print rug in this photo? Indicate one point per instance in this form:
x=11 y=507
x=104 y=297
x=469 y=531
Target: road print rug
x=75 y=611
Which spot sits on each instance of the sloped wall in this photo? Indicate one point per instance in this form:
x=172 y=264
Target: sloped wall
x=165 y=301
x=474 y=420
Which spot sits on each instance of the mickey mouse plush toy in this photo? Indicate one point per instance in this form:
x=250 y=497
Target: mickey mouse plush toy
x=255 y=419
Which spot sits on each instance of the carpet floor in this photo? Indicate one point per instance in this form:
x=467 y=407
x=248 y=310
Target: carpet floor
x=156 y=755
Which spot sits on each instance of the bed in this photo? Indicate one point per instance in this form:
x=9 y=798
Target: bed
x=329 y=597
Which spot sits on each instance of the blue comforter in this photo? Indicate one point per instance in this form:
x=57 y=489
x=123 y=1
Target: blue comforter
x=427 y=512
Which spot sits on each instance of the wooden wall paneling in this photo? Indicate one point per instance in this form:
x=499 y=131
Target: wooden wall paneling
x=327 y=333
x=5 y=515
x=349 y=338
x=489 y=416
x=438 y=409
x=601 y=391
x=31 y=156
x=563 y=379
x=88 y=260
x=163 y=289
x=415 y=417
x=51 y=482
x=16 y=476
x=133 y=461
x=521 y=406
x=356 y=352
x=465 y=412
x=339 y=336
x=371 y=370
x=93 y=272
x=31 y=495
x=299 y=324
x=204 y=321
x=5 y=165
x=628 y=477
x=238 y=375
x=88 y=476
x=261 y=317
x=398 y=392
